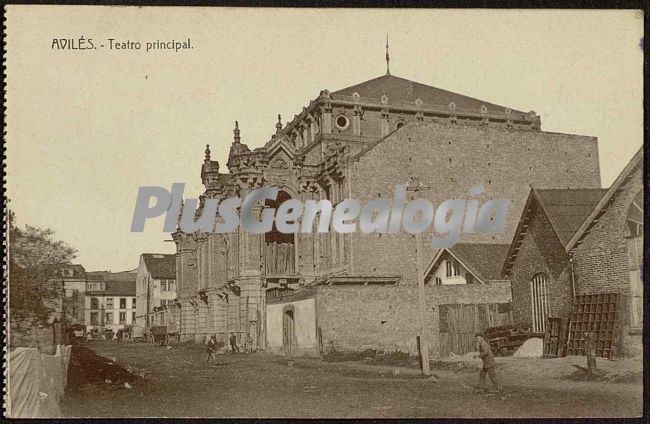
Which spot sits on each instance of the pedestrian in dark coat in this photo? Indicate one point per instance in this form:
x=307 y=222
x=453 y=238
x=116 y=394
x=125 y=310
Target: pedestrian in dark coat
x=212 y=350
x=233 y=343
x=485 y=353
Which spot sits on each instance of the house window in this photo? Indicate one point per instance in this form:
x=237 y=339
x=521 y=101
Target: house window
x=133 y=303
x=132 y=317
x=122 y=317
x=109 y=318
x=453 y=268
x=469 y=278
x=95 y=286
x=94 y=303
x=122 y=302
x=438 y=281
x=94 y=318
x=172 y=285
x=109 y=303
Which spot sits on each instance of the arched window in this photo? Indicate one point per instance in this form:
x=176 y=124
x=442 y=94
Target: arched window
x=539 y=301
x=279 y=248
x=634 y=238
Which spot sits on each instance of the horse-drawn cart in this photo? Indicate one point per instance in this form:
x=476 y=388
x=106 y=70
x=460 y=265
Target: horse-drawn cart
x=137 y=333
x=161 y=335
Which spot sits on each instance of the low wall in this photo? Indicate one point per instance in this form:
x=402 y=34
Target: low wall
x=37 y=382
x=386 y=317
x=304 y=325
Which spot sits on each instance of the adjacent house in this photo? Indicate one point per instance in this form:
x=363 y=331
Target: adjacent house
x=607 y=256
x=73 y=280
x=537 y=264
x=467 y=263
x=577 y=254
x=155 y=288
x=110 y=302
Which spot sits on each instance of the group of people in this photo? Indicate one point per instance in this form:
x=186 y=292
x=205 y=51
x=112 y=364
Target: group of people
x=234 y=348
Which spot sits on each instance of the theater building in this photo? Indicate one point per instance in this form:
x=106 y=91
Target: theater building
x=360 y=142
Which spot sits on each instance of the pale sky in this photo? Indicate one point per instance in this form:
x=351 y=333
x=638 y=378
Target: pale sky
x=86 y=128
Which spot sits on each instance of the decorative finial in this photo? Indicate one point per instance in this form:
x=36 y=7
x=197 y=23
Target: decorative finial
x=236 y=133
x=387 y=57
x=278 y=126
x=207 y=152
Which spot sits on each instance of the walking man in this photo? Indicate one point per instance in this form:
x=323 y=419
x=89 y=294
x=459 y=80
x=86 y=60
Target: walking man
x=485 y=353
x=212 y=349
x=233 y=343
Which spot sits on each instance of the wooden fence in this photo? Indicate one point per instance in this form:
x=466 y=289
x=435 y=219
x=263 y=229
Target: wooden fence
x=460 y=323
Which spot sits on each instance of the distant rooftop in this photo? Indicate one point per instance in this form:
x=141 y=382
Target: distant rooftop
x=160 y=266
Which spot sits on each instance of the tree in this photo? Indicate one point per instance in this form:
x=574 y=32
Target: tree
x=34 y=257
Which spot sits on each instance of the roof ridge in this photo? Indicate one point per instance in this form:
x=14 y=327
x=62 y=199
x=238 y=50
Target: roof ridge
x=609 y=194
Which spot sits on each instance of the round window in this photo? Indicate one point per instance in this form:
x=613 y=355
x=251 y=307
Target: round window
x=342 y=122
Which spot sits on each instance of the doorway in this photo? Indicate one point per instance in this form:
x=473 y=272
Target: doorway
x=289 y=331
x=539 y=302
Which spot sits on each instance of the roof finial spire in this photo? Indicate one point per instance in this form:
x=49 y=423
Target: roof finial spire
x=236 y=132
x=278 y=126
x=387 y=57
x=207 y=152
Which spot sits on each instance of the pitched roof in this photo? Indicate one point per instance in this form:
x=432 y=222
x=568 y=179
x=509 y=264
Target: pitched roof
x=116 y=283
x=599 y=208
x=111 y=276
x=160 y=266
x=115 y=288
x=483 y=260
x=78 y=272
x=402 y=90
x=567 y=209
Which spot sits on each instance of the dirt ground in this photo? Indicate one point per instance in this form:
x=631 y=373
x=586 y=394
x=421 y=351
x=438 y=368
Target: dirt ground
x=176 y=382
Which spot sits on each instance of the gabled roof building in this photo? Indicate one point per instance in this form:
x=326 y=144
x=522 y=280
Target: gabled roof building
x=537 y=263
x=467 y=263
x=155 y=287
x=607 y=254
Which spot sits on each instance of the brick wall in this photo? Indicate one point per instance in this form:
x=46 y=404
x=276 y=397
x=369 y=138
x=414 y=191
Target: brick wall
x=450 y=160
x=601 y=260
x=540 y=252
x=356 y=317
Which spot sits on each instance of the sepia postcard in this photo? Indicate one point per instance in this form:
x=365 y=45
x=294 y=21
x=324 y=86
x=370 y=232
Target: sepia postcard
x=228 y=212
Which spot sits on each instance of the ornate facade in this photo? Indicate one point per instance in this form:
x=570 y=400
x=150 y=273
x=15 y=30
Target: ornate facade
x=223 y=278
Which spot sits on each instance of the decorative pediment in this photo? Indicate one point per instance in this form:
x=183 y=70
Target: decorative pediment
x=281 y=155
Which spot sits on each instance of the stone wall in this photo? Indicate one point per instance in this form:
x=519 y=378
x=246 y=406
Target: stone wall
x=26 y=333
x=386 y=317
x=450 y=159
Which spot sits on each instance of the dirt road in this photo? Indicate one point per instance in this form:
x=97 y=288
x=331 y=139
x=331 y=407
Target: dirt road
x=176 y=383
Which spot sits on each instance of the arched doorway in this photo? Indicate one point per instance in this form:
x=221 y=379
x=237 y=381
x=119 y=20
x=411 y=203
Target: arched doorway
x=289 y=331
x=279 y=248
